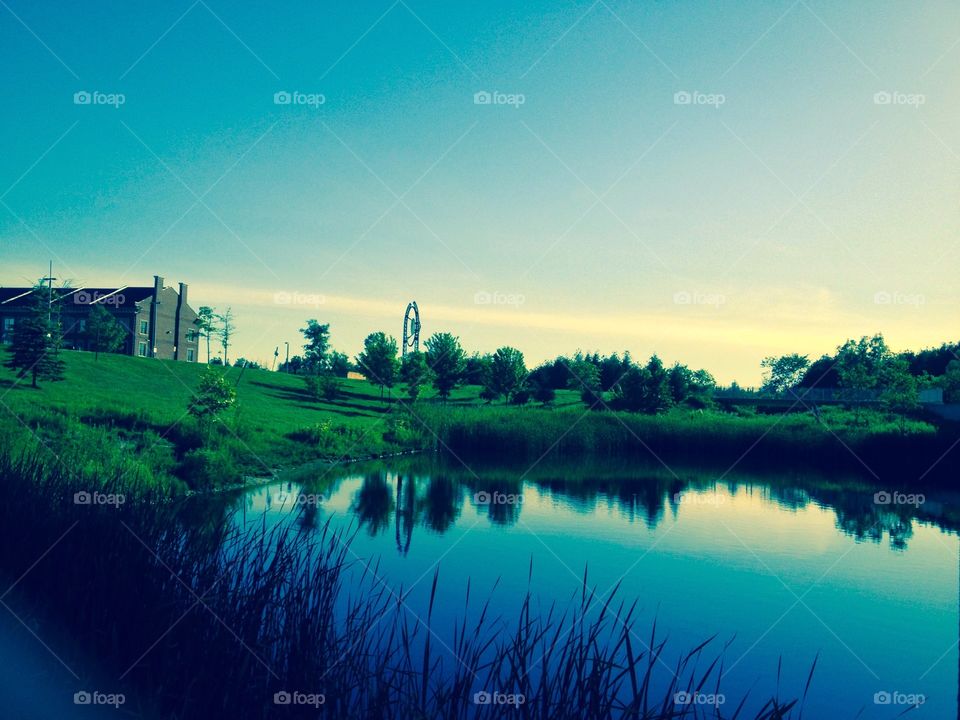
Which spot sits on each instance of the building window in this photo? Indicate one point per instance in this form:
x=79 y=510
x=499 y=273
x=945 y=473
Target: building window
x=8 y=329
x=189 y=355
x=81 y=325
x=142 y=350
x=143 y=327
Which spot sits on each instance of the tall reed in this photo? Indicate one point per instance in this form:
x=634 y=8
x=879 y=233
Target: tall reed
x=710 y=437
x=200 y=617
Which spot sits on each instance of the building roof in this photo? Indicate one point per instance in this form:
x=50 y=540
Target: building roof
x=20 y=296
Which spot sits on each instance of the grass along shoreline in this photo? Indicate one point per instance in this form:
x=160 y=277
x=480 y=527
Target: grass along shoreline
x=123 y=417
x=875 y=447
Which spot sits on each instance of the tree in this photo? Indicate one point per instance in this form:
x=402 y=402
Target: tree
x=315 y=349
x=339 y=364
x=322 y=387
x=783 y=373
x=543 y=393
x=702 y=386
x=899 y=394
x=446 y=360
x=584 y=376
x=521 y=396
x=612 y=369
x=680 y=379
x=103 y=333
x=630 y=393
x=206 y=324
x=645 y=389
x=860 y=365
x=415 y=373
x=477 y=369
x=378 y=361
x=556 y=374
x=951 y=382
x=35 y=347
x=226 y=332
x=933 y=361
x=821 y=373
x=507 y=372
x=294 y=366
x=214 y=395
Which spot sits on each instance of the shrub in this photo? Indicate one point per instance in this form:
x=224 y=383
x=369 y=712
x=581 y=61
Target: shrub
x=209 y=467
x=322 y=387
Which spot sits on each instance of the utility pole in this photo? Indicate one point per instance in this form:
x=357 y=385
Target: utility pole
x=286 y=367
x=49 y=280
x=276 y=354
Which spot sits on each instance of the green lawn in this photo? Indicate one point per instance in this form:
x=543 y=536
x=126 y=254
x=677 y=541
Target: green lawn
x=163 y=388
x=121 y=417
x=141 y=404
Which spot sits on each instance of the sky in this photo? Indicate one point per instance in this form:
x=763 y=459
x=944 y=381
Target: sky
x=713 y=182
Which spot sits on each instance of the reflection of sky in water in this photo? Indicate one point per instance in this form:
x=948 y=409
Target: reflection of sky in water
x=769 y=568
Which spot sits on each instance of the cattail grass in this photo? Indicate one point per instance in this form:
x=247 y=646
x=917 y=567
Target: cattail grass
x=795 y=440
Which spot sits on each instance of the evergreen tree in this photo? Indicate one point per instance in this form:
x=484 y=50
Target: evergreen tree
x=35 y=350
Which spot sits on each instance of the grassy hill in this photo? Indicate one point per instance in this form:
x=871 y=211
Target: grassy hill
x=163 y=389
x=140 y=406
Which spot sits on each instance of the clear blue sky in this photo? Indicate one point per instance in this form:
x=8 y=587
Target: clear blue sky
x=788 y=215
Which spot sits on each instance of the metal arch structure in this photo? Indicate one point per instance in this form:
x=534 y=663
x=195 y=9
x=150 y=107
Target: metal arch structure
x=411 y=328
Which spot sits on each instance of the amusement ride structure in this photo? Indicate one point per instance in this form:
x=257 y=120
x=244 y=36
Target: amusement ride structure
x=411 y=328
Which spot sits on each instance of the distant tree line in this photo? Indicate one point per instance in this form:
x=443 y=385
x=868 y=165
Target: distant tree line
x=860 y=370
x=613 y=381
x=867 y=369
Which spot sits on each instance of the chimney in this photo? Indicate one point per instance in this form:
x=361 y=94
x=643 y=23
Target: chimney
x=181 y=301
x=157 y=289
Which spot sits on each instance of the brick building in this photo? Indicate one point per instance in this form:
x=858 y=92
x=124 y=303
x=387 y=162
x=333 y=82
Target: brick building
x=158 y=320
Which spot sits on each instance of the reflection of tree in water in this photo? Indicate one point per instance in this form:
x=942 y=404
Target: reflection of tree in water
x=503 y=513
x=868 y=523
x=506 y=500
x=406 y=513
x=646 y=502
x=641 y=498
x=579 y=497
x=373 y=503
x=433 y=495
x=308 y=516
x=441 y=503
x=790 y=497
x=207 y=514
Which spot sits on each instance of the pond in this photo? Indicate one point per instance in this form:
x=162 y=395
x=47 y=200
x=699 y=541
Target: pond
x=783 y=569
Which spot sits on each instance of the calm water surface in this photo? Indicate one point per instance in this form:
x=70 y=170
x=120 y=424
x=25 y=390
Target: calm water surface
x=783 y=568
